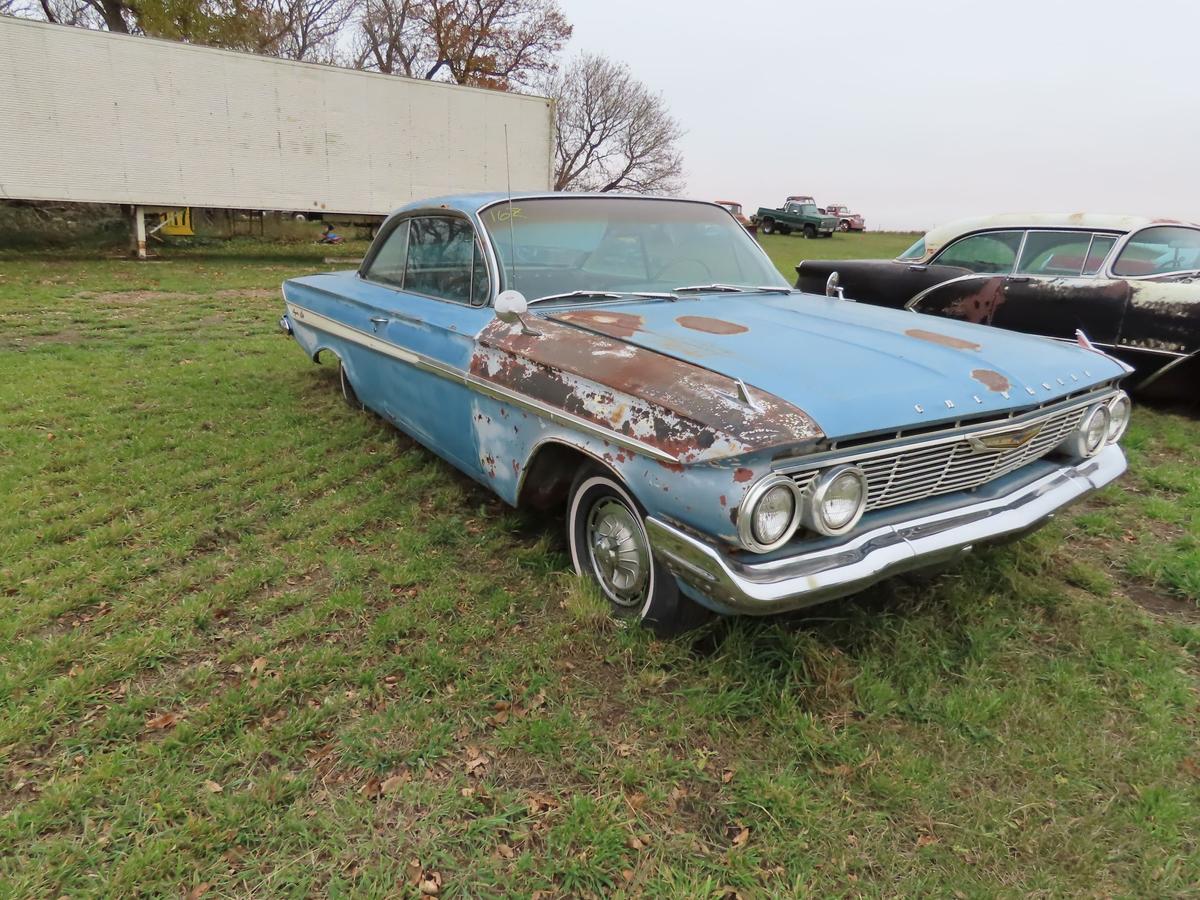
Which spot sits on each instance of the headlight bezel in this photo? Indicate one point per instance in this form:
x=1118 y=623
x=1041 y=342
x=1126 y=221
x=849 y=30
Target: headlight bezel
x=814 y=515
x=749 y=506
x=1076 y=444
x=1117 y=429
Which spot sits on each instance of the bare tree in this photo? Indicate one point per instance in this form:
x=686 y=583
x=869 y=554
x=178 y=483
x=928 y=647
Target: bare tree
x=308 y=29
x=494 y=43
x=612 y=133
x=390 y=36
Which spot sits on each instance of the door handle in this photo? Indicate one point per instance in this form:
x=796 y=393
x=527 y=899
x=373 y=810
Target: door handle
x=917 y=268
x=376 y=321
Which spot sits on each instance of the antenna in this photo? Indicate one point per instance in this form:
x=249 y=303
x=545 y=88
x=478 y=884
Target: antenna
x=512 y=241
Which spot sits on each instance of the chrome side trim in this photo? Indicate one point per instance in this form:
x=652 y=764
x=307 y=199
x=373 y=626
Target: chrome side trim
x=303 y=316
x=806 y=579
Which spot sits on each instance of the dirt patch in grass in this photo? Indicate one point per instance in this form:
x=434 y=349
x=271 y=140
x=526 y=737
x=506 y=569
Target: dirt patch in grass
x=1160 y=604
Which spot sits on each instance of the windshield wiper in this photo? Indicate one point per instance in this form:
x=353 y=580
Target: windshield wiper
x=605 y=295
x=733 y=288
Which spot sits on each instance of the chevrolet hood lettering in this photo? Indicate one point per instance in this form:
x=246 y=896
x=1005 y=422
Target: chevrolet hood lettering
x=854 y=368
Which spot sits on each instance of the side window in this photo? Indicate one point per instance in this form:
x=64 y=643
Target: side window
x=1160 y=250
x=1054 y=253
x=444 y=260
x=1101 y=244
x=388 y=265
x=991 y=253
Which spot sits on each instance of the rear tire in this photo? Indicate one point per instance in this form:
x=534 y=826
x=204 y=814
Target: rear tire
x=767 y=226
x=609 y=544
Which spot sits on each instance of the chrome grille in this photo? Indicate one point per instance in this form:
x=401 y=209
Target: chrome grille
x=952 y=465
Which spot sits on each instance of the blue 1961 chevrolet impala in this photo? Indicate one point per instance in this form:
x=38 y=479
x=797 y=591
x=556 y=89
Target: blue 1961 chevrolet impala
x=716 y=437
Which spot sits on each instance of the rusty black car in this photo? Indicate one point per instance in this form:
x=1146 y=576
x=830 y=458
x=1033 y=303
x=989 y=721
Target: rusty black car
x=1131 y=285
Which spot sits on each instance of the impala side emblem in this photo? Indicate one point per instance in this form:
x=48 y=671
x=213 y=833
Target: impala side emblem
x=1005 y=440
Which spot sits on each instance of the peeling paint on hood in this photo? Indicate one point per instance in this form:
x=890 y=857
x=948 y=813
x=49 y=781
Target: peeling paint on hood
x=857 y=369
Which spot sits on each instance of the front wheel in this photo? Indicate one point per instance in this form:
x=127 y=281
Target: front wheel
x=843 y=226
x=810 y=232
x=609 y=544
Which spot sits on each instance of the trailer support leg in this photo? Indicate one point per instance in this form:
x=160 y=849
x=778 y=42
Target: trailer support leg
x=137 y=237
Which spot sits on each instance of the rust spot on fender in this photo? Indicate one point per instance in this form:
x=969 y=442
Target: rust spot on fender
x=991 y=379
x=711 y=326
x=687 y=411
x=723 y=501
x=742 y=474
x=944 y=339
x=617 y=324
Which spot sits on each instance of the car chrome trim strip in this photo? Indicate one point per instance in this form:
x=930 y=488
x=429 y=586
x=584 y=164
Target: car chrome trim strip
x=806 y=579
x=319 y=322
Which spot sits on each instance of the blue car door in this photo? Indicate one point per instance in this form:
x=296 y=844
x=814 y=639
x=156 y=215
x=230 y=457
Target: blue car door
x=426 y=287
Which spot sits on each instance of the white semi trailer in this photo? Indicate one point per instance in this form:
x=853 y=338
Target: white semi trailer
x=91 y=116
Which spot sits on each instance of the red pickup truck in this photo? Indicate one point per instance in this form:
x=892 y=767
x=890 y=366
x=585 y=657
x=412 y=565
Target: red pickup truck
x=847 y=221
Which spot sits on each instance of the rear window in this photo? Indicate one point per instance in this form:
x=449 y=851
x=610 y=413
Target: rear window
x=1159 y=251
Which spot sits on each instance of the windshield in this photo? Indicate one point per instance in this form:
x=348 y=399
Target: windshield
x=916 y=251
x=621 y=245
x=1160 y=251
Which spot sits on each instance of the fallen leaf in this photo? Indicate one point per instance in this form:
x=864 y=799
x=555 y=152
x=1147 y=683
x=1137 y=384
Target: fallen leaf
x=431 y=885
x=415 y=871
x=198 y=891
x=259 y=665
x=505 y=852
x=926 y=840
x=633 y=842
x=161 y=722
x=741 y=837
x=392 y=783
x=727 y=776
x=213 y=788
x=624 y=750
x=371 y=788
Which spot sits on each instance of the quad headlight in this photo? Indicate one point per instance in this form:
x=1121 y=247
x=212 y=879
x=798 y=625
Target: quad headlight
x=836 y=500
x=770 y=514
x=1119 y=410
x=1091 y=433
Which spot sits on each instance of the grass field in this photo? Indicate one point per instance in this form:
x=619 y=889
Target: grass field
x=253 y=642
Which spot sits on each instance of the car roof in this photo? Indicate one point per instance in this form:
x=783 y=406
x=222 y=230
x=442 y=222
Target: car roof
x=473 y=203
x=937 y=238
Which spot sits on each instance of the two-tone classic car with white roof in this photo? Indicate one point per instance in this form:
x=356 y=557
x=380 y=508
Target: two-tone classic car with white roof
x=1132 y=285
x=715 y=437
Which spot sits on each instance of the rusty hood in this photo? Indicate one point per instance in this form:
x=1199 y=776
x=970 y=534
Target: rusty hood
x=852 y=369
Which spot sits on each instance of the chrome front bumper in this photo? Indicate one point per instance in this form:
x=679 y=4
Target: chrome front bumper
x=810 y=578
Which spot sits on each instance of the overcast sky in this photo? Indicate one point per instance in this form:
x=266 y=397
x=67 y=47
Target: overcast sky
x=915 y=113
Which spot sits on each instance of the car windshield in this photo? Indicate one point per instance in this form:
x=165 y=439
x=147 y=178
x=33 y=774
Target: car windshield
x=1160 y=251
x=916 y=251
x=553 y=246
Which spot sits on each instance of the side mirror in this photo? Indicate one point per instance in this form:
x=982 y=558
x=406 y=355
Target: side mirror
x=511 y=307
x=832 y=288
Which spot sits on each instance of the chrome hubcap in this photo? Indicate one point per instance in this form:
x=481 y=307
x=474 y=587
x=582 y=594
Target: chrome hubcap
x=618 y=552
